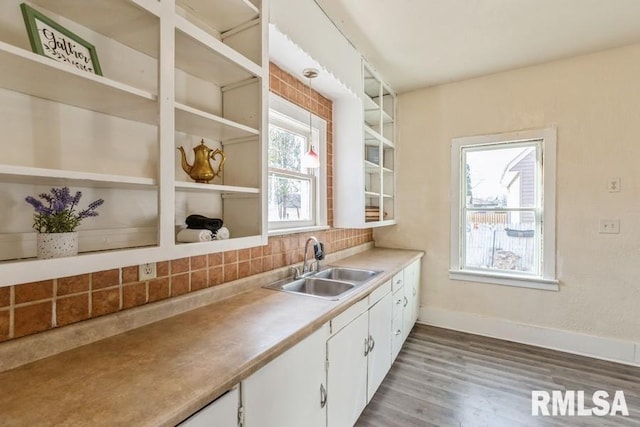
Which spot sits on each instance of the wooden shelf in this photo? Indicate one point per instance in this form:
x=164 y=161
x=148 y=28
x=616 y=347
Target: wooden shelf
x=371 y=167
x=383 y=223
x=371 y=137
x=369 y=103
x=196 y=186
x=372 y=117
x=56 y=177
x=221 y=15
x=200 y=54
x=372 y=87
x=201 y=248
x=196 y=122
x=372 y=112
x=32 y=269
x=133 y=23
x=39 y=76
x=386 y=118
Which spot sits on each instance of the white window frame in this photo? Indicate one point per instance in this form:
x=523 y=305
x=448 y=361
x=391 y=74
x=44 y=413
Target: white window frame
x=547 y=278
x=288 y=116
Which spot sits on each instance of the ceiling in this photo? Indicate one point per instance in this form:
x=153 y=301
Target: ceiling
x=420 y=43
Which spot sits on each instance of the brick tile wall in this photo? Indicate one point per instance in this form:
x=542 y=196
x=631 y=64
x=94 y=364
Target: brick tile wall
x=30 y=308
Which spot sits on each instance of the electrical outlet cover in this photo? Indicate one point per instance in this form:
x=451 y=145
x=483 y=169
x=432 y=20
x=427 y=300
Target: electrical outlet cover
x=147 y=271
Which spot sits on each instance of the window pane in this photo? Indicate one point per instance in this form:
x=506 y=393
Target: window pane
x=501 y=177
x=285 y=149
x=501 y=241
x=289 y=198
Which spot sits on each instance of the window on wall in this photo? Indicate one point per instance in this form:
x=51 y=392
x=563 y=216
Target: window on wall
x=503 y=209
x=297 y=195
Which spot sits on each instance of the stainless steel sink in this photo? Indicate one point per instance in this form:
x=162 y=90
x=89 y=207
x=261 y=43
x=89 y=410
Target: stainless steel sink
x=313 y=286
x=332 y=283
x=319 y=287
x=354 y=275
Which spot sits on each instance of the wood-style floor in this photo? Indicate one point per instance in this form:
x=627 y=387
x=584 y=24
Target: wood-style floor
x=445 y=378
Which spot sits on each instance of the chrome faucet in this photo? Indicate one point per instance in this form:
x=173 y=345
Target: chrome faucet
x=318 y=252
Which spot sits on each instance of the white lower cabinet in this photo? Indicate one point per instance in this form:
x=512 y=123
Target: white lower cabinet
x=222 y=412
x=292 y=389
x=347 y=373
x=328 y=378
x=359 y=357
x=379 y=357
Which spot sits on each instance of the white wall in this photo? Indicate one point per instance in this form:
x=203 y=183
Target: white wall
x=594 y=101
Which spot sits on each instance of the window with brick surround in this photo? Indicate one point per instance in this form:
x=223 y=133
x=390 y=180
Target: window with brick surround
x=297 y=195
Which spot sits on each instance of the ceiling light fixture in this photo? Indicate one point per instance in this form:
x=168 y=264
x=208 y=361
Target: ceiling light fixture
x=310 y=159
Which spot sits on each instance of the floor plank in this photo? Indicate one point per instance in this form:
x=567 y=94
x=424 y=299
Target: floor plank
x=445 y=378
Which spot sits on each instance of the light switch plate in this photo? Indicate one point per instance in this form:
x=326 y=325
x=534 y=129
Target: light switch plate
x=613 y=185
x=609 y=226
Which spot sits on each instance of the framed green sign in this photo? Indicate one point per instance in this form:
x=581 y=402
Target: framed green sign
x=52 y=40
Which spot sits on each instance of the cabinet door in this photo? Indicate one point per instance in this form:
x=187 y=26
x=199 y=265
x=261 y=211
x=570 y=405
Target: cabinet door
x=411 y=297
x=222 y=412
x=380 y=323
x=397 y=338
x=290 y=390
x=415 y=309
x=347 y=374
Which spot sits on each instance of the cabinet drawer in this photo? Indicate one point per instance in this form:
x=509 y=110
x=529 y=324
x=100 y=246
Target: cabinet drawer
x=398 y=302
x=347 y=316
x=379 y=293
x=398 y=280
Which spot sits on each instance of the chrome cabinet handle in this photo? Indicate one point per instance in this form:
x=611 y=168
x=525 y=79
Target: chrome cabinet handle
x=398 y=281
x=372 y=343
x=323 y=396
x=414 y=291
x=398 y=332
x=366 y=346
x=406 y=301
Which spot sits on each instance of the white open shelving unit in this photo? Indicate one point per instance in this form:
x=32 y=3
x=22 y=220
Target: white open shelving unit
x=175 y=73
x=379 y=111
x=366 y=189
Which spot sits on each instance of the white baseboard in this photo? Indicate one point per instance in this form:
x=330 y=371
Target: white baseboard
x=614 y=350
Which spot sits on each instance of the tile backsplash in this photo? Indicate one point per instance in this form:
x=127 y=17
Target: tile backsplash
x=35 y=307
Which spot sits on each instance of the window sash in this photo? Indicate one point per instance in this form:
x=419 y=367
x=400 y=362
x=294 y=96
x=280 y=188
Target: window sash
x=280 y=224
x=537 y=242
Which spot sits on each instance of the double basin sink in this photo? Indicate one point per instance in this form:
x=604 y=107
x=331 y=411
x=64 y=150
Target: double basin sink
x=331 y=283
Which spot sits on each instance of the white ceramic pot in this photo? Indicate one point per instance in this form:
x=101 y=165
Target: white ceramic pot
x=57 y=245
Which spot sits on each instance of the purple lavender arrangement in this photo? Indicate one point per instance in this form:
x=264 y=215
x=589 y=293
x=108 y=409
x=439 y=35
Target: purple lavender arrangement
x=60 y=215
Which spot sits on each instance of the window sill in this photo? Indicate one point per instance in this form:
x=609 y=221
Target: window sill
x=504 y=280
x=283 y=231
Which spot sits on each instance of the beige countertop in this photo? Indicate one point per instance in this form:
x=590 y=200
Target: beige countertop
x=159 y=374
